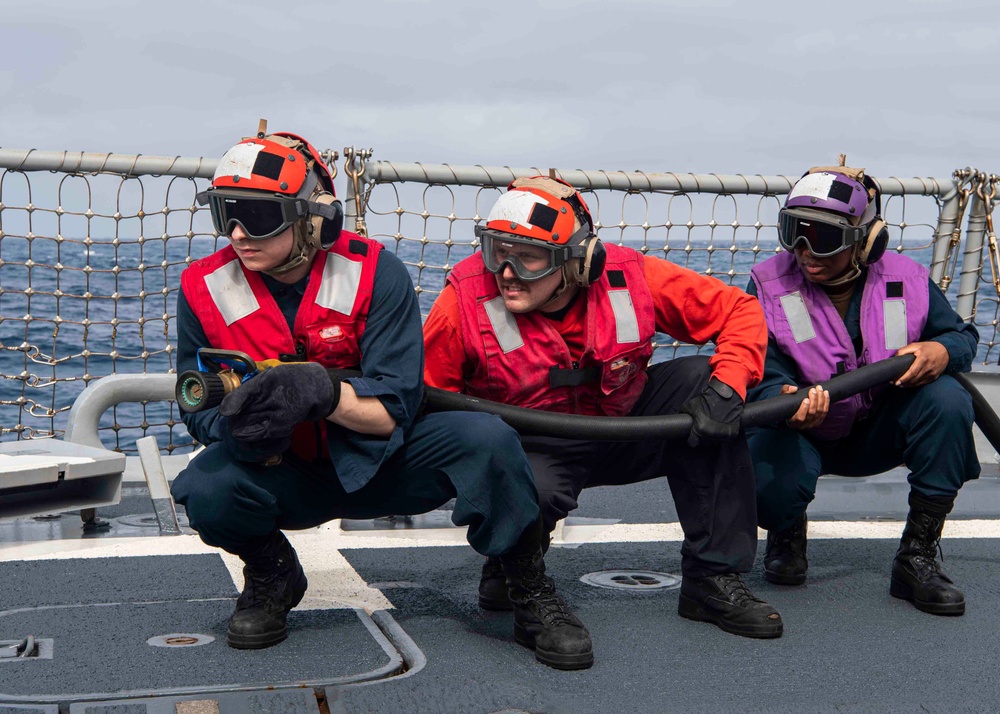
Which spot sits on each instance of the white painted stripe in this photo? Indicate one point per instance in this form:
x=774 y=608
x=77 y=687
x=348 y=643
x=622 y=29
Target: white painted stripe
x=334 y=583
x=328 y=538
x=818 y=530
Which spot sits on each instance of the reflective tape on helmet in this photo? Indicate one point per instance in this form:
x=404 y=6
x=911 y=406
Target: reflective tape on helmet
x=239 y=161
x=262 y=165
x=813 y=185
x=515 y=207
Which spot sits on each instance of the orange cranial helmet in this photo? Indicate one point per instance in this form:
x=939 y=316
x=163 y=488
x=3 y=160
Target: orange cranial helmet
x=546 y=212
x=270 y=182
x=277 y=163
x=541 y=208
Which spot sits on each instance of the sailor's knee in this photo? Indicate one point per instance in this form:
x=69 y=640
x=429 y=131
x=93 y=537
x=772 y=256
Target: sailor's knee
x=779 y=506
x=944 y=400
x=552 y=502
x=205 y=482
x=554 y=506
x=484 y=433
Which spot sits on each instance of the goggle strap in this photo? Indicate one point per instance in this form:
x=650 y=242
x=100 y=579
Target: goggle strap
x=324 y=210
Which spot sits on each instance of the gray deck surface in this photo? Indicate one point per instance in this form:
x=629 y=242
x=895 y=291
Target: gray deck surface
x=848 y=646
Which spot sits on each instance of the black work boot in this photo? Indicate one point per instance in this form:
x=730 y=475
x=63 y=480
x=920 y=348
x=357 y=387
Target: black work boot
x=916 y=573
x=274 y=583
x=542 y=619
x=726 y=601
x=493 y=587
x=785 y=555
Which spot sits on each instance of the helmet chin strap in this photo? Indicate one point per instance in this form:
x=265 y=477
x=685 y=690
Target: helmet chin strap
x=852 y=274
x=564 y=285
x=301 y=251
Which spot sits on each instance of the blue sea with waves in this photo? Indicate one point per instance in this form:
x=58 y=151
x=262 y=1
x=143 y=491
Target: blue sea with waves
x=71 y=312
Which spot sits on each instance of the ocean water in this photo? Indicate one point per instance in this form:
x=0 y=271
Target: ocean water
x=70 y=312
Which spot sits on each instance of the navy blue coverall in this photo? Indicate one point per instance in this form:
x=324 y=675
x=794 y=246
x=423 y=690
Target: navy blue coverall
x=927 y=428
x=472 y=457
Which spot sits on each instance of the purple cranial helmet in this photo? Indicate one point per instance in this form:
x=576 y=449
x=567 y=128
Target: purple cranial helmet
x=830 y=211
x=831 y=191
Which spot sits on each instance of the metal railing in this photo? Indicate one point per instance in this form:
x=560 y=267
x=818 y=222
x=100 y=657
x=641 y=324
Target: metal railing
x=92 y=247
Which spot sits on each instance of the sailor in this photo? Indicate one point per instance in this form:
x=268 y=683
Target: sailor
x=836 y=300
x=546 y=316
x=294 y=447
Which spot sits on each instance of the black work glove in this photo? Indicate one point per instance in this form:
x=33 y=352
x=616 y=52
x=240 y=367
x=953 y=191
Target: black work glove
x=267 y=407
x=258 y=451
x=716 y=413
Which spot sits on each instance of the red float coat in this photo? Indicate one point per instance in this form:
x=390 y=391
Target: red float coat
x=523 y=360
x=688 y=306
x=237 y=312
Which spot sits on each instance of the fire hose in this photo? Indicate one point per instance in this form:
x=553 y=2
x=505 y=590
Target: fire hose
x=222 y=371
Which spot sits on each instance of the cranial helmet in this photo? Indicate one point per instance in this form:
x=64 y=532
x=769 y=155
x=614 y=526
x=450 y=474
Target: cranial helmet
x=547 y=212
x=270 y=182
x=832 y=209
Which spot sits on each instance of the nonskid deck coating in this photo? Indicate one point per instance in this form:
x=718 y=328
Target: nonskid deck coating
x=848 y=646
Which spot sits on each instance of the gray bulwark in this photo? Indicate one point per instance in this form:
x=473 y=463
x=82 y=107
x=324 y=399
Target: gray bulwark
x=99 y=624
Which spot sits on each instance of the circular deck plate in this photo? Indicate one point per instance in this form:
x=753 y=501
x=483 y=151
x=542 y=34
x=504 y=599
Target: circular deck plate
x=180 y=639
x=634 y=580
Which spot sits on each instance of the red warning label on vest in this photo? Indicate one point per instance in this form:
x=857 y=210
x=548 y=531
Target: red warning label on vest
x=332 y=333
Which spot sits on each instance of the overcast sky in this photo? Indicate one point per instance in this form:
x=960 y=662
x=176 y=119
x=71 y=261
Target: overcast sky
x=904 y=88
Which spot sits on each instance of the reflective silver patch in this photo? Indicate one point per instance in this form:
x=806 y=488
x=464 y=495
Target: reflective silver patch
x=341 y=280
x=231 y=292
x=894 y=319
x=797 y=316
x=626 y=323
x=504 y=325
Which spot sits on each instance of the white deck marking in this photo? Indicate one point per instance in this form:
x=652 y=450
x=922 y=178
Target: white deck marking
x=334 y=583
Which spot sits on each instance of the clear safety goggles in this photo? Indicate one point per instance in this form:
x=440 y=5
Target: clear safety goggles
x=260 y=216
x=825 y=234
x=530 y=259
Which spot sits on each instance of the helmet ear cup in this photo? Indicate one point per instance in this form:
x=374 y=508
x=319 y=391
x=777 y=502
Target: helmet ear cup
x=875 y=242
x=592 y=264
x=324 y=232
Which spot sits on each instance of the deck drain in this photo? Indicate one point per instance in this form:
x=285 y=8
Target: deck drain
x=180 y=639
x=632 y=580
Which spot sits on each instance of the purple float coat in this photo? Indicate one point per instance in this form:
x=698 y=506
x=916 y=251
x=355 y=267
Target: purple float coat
x=806 y=326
